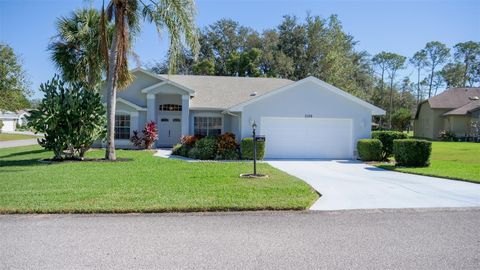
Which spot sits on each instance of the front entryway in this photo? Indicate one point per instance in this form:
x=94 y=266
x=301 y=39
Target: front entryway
x=169 y=130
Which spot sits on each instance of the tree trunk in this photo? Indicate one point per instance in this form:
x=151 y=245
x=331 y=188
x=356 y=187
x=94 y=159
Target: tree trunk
x=418 y=86
x=111 y=99
x=431 y=81
x=391 y=103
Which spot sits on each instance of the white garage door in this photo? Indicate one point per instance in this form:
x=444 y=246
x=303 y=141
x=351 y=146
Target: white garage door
x=307 y=137
x=8 y=125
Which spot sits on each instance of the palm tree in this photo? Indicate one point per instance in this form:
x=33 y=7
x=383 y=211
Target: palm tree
x=176 y=16
x=76 y=48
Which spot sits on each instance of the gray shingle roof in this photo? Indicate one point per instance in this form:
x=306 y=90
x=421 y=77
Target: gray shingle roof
x=223 y=92
x=465 y=109
x=453 y=98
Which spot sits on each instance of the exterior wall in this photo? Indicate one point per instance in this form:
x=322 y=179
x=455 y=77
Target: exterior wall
x=430 y=122
x=309 y=99
x=133 y=92
x=458 y=124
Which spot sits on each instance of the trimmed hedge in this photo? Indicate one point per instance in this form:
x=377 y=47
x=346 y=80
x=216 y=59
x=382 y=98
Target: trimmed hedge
x=246 y=149
x=387 y=137
x=369 y=149
x=412 y=152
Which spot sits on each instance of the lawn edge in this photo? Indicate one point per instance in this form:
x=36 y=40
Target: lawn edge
x=428 y=174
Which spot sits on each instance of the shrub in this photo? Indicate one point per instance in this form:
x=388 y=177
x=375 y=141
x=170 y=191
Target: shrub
x=188 y=140
x=205 y=148
x=446 y=135
x=246 y=148
x=1 y=126
x=387 y=137
x=150 y=135
x=180 y=150
x=71 y=117
x=412 y=152
x=369 y=149
x=227 y=146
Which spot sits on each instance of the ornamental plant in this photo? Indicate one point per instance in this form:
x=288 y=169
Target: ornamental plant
x=227 y=146
x=387 y=137
x=150 y=135
x=71 y=116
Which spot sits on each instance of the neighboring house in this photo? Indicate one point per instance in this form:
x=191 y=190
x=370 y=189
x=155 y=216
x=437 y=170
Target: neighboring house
x=12 y=119
x=22 y=117
x=452 y=110
x=304 y=119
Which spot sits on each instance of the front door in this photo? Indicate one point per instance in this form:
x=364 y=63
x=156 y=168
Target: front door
x=169 y=130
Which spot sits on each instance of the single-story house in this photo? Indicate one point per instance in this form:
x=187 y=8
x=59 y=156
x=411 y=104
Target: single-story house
x=12 y=119
x=452 y=110
x=9 y=120
x=304 y=119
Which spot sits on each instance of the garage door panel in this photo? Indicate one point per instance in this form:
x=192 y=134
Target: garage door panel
x=307 y=137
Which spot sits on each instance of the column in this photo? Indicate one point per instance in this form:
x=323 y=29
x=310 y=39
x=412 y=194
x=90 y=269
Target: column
x=185 y=114
x=151 y=107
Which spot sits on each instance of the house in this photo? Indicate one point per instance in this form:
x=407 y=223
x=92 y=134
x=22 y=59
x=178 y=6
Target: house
x=452 y=110
x=12 y=119
x=303 y=119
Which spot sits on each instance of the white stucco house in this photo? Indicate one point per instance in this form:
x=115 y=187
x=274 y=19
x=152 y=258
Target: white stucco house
x=12 y=119
x=304 y=119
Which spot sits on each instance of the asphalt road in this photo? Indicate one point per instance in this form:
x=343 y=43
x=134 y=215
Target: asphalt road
x=357 y=239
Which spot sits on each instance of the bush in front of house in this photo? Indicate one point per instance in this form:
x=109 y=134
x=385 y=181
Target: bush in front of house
x=370 y=149
x=189 y=140
x=180 y=150
x=204 y=149
x=246 y=149
x=447 y=136
x=227 y=147
x=71 y=117
x=387 y=137
x=150 y=135
x=412 y=152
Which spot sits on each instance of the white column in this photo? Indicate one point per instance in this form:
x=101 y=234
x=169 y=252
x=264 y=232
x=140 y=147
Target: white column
x=151 y=108
x=185 y=114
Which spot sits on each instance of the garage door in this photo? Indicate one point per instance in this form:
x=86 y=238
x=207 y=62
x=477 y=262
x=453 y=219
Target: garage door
x=8 y=125
x=307 y=137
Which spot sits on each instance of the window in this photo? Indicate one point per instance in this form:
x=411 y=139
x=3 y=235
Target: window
x=170 y=107
x=122 y=127
x=164 y=120
x=207 y=126
x=176 y=120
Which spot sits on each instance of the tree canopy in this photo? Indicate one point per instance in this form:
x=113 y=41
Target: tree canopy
x=14 y=83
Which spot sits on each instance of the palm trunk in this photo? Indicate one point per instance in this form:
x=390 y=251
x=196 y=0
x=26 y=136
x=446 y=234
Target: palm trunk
x=111 y=99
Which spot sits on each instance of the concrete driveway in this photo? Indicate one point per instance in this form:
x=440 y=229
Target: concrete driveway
x=349 y=184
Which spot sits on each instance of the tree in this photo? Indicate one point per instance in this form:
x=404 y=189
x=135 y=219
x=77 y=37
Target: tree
x=401 y=119
x=14 y=84
x=394 y=63
x=380 y=60
x=468 y=53
x=419 y=61
x=76 y=49
x=176 y=16
x=437 y=54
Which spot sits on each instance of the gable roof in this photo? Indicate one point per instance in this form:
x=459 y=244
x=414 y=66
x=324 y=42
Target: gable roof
x=460 y=100
x=162 y=80
x=374 y=109
x=465 y=109
x=223 y=92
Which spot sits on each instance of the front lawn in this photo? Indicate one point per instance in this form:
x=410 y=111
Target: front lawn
x=455 y=160
x=14 y=137
x=145 y=184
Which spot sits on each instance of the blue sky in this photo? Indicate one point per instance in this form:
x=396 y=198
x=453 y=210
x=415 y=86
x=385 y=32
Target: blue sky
x=397 y=26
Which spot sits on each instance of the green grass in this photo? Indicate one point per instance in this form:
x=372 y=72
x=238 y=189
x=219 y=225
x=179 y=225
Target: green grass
x=453 y=160
x=145 y=184
x=13 y=137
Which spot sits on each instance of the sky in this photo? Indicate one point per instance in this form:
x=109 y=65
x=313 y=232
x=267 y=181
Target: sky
x=400 y=26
